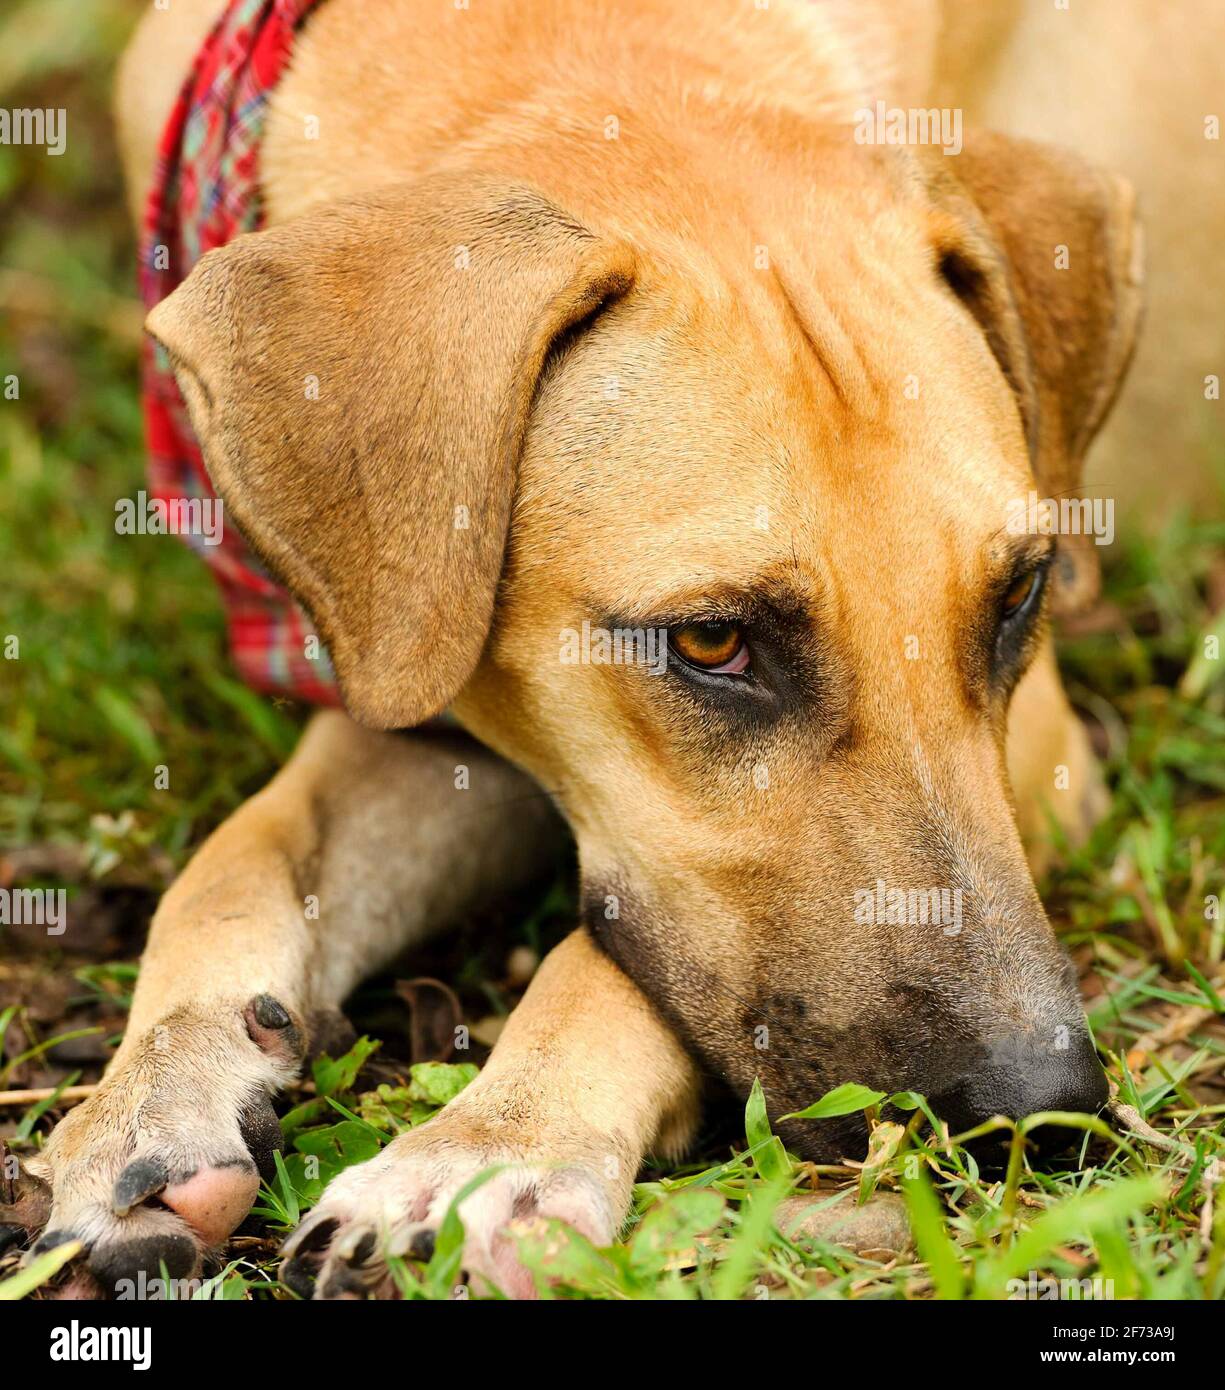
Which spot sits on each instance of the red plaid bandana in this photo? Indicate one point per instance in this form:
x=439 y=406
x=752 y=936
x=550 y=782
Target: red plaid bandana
x=205 y=192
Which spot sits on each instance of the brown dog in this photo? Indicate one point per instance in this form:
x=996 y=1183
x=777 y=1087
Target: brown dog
x=713 y=366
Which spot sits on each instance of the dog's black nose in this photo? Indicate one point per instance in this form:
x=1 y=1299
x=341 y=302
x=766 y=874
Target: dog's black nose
x=1018 y=1077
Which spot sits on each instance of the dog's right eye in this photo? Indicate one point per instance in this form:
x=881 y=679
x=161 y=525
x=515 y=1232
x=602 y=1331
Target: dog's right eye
x=1017 y=598
x=1024 y=594
x=716 y=647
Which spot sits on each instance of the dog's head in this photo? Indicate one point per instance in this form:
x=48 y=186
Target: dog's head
x=705 y=519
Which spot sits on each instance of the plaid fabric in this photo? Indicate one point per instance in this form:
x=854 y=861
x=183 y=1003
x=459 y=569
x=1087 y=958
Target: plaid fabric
x=205 y=192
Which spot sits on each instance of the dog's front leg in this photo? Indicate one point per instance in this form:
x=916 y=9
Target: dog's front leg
x=361 y=844
x=584 y=1079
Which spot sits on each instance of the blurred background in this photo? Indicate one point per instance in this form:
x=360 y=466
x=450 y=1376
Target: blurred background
x=122 y=660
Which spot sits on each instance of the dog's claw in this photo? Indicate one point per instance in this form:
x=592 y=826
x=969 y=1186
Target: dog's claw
x=50 y=1240
x=390 y=1208
x=271 y=1027
x=414 y=1241
x=350 y=1268
x=313 y=1234
x=139 y=1180
x=269 y=1012
x=356 y=1245
x=303 y=1254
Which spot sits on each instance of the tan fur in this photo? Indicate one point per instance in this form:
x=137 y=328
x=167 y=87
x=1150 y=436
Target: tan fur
x=444 y=409
x=732 y=423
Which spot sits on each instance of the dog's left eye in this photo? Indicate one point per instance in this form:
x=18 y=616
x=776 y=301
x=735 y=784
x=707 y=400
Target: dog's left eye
x=716 y=647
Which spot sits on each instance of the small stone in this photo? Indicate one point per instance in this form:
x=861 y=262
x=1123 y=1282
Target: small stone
x=880 y=1227
x=488 y=1030
x=521 y=965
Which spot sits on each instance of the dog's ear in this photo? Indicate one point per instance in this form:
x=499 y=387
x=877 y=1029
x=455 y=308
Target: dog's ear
x=360 y=382
x=1045 y=251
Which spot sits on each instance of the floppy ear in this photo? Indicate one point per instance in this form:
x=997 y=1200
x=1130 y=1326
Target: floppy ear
x=360 y=381
x=1045 y=251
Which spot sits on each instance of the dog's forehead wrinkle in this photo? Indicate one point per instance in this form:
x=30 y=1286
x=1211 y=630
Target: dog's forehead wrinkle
x=834 y=347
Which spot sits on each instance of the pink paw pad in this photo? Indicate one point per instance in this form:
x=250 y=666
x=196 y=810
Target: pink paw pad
x=214 y=1200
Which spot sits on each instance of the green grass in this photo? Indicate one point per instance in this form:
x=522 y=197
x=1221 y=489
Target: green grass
x=122 y=667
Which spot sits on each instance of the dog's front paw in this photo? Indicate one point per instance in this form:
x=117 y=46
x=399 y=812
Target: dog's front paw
x=165 y=1159
x=393 y=1205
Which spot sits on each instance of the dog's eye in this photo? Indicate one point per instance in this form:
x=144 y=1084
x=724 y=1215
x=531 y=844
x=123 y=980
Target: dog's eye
x=711 y=646
x=1023 y=594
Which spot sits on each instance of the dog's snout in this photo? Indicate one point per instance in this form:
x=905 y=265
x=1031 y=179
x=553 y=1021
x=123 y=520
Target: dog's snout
x=1020 y=1079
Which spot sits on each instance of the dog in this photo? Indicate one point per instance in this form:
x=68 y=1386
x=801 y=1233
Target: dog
x=708 y=366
